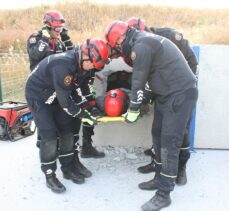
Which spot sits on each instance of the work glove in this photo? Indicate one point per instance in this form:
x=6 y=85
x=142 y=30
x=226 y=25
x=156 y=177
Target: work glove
x=93 y=109
x=45 y=31
x=64 y=35
x=131 y=116
x=88 y=118
x=65 y=38
x=95 y=112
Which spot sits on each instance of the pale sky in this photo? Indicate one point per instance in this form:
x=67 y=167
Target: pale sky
x=14 y=4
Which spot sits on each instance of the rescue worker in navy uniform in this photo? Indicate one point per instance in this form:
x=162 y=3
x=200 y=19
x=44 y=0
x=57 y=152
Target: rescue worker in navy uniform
x=157 y=60
x=51 y=39
x=185 y=48
x=49 y=93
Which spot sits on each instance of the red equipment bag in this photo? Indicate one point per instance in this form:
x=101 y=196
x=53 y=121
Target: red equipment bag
x=16 y=121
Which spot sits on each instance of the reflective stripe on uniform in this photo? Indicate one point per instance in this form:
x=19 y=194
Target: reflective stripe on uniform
x=184 y=148
x=156 y=162
x=135 y=102
x=51 y=99
x=147 y=88
x=66 y=155
x=66 y=110
x=162 y=40
x=48 y=162
x=88 y=95
x=166 y=175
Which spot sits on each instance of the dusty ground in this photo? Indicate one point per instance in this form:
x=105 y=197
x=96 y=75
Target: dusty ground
x=113 y=186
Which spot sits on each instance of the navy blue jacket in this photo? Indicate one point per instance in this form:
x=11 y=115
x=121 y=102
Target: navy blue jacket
x=59 y=77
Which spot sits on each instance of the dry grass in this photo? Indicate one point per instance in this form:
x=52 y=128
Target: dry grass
x=86 y=19
x=14 y=71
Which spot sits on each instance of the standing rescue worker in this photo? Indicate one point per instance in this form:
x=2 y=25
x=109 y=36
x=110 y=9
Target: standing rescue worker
x=159 y=62
x=51 y=39
x=49 y=92
x=185 y=48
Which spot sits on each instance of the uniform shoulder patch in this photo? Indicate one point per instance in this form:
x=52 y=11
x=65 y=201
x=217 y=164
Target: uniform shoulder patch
x=178 y=36
x=32 y=40
x=68 y=80
x=133 y=55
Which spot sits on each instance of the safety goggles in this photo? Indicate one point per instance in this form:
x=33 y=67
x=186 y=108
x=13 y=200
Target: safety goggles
x=58 y=29
x=95 y=57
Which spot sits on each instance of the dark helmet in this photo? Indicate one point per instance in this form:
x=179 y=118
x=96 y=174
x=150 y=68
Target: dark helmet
x=114 y=31
x=128 y=61
x=97 y=51
x=54 y=18
x=136 y=23
x=115 y=102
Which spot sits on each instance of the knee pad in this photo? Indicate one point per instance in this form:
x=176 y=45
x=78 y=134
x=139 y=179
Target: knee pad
x=48 y=150
x=66 y=143
x=47 y=134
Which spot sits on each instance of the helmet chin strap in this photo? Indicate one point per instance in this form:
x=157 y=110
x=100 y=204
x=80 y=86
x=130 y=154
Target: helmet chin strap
x=82 y=70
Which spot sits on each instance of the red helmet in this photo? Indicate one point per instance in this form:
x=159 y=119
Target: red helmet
x=136 y=23
x=114 y=31
x=54 y=18
x=115 y=102
x=97 y=51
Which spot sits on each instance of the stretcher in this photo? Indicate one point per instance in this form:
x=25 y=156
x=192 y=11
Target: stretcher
x=111 y=119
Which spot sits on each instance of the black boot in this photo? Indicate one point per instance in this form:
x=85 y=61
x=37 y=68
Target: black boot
x=181 y=176
x=160 y=200
x=147 y=168
x=152 y=184
x=54 y=184
x=88 y=151
x=149 y=152
x=75 y=176
x=149 y=185
x=79 y=167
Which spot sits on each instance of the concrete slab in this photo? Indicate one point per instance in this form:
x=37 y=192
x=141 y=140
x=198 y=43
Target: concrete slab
x=113 y=185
